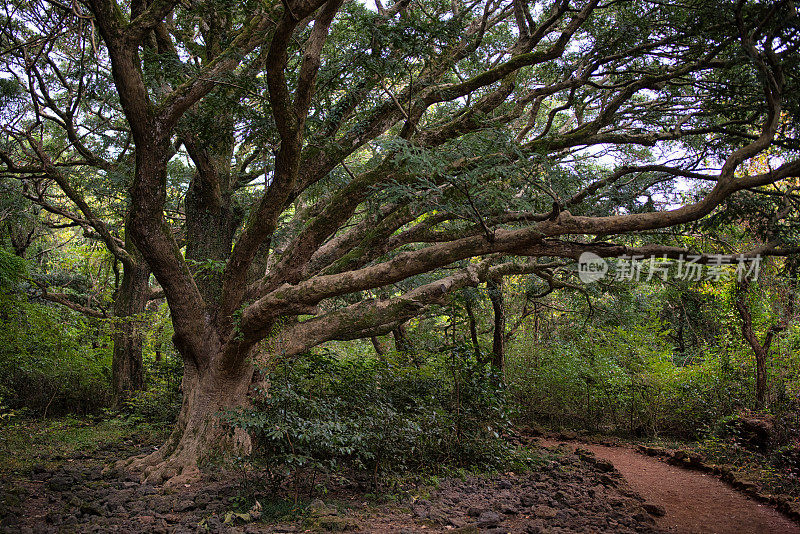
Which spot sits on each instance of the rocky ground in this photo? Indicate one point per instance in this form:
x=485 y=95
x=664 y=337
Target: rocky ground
x=570 y=492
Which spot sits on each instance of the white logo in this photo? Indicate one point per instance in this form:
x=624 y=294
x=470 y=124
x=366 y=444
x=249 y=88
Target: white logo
x=591 y=267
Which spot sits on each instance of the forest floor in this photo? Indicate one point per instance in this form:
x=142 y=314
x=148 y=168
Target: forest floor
x=59 y=486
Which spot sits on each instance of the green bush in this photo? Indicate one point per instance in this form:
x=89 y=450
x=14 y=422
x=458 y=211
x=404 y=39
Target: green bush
x=378 y=415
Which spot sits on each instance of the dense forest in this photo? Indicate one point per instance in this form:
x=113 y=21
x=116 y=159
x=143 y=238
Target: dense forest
x=316 y=249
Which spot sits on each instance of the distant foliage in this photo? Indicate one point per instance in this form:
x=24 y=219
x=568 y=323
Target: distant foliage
x=623 y=371
x=160 y=401
x=52 y=361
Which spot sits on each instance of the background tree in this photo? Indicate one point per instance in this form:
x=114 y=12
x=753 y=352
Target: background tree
x=67 y=143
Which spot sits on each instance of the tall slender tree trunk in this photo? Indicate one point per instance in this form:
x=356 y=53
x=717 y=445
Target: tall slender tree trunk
x=129 y=305
x=760 y=349
x=401 y=343
x=495 y=288
x=473 y=329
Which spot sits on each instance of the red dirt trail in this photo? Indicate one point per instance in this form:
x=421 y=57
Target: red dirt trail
x=694 y=502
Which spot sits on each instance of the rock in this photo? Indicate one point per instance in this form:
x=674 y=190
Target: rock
x=60 y=483
x=545 y=512
x=606 y=480
x=202 y=500
x=91 y=508
x=533 y=430
x=439 y=517
x=605 y=466
x=147 y=489
x=652 y=451
x=162 y=506
x=37 y=469
x=756 y=429
x=655 y=510
x=419 y=512
x=214 y=524
x=328 y=523
x=474 y=511
x=489 y=519
x=183 y=506
x=146 y=519
x=317 y=505
x=509 y=510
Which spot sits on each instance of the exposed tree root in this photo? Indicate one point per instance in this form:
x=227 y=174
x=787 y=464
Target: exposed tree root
x=176 y=462
x=198 y=434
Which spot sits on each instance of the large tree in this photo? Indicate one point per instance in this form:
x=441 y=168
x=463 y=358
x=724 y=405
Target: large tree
x=421 y=148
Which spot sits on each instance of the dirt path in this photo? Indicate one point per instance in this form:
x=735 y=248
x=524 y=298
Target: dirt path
x=694 y=502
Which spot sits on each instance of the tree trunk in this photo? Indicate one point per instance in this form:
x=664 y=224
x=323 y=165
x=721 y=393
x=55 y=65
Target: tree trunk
x=473 y=329
x=495 y=288
x=199 y=434
x=376 y=343
x=129 y=304
x=761 y=350
x=209 y=237
x=401 y=343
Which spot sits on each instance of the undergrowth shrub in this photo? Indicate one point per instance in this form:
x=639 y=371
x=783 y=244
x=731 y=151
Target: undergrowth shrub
x=381 y=416
x=626 y=381
x=52 y=361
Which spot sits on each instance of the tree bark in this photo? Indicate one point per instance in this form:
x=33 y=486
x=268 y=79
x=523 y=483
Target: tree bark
x=473 y=329
x=376 y=343
x=401 y=343
x=211 y=219
x=129 y=304
x=495 y=288
x=199 y=434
